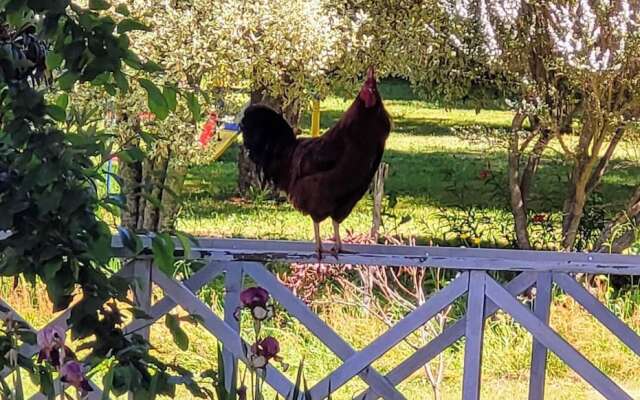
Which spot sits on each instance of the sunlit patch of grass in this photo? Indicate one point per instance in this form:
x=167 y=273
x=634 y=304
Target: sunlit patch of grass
x=426 y=159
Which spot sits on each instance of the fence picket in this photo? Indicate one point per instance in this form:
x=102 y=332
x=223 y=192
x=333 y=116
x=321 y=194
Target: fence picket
x=166 y=304
x=233 y=287
x=474 y=333
x=541 y=308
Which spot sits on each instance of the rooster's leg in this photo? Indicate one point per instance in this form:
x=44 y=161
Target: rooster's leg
x=337 y=247
x=316 y=232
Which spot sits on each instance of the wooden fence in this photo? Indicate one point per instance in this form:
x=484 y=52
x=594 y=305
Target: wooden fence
x=235 y=259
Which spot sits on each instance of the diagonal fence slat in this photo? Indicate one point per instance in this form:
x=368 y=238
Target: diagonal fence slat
x=550 y=339
x=322 y=331
x=599 y=310
x=447 y=338
x=391 y=337
x=229 y=338
x=166 y=304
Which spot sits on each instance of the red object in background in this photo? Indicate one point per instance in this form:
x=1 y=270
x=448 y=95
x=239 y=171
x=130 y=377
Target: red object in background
x=539 y=218
x=209 y=129
x=146 y=116
x=485 y=174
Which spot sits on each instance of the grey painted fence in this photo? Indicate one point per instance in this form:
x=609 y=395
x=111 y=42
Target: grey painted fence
x=236 y=259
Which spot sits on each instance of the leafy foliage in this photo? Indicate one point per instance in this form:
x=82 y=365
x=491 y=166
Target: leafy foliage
x=48 y=175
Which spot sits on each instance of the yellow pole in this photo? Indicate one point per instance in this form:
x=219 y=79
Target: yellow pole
x=315 y=119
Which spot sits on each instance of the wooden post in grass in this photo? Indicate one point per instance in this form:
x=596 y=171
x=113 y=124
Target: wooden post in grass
x=142 y=287
x=378 y=196
x=315 y=118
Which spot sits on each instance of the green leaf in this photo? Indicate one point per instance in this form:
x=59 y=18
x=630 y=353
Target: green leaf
x=185 y=241
x=157 y=103
x=122 y=10
x=179 y=336
x=140 y=314
x=133 y=60
x=162 y=247
x=63 y=101
x=153 y=389
x=152 y=67
x=298 y=385
x=99 y=5
x=54 y=60
x=121 y=80
x=130 y=240
x=19 y=391
x=170 y=95
x=67 y=80
x=128 y=25
x=194 y=106
x=108 y=383
x=132 y=154
x=57 y=113
x=46 y=383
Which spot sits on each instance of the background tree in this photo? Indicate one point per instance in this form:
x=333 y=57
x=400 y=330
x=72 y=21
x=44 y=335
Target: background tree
x=568 y=69
x=285 y=54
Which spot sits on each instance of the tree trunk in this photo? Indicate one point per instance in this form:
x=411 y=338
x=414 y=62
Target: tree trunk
x=131 y=175
x=586 y=175
x=517 y=200
x=533 y=162
x=622 y=231
x=174 y=187
x=154 y=180
x=152 y=189
x=248 y=175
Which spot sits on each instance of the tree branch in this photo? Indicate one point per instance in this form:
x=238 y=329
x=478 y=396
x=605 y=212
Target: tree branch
x=603 y=164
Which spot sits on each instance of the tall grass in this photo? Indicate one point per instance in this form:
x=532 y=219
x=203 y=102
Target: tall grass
x=507 y=347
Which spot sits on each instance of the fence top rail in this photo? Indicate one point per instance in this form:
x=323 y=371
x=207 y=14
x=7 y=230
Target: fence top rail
x=409 y=256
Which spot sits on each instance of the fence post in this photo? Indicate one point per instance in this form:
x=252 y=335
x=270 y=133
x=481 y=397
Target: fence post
x=233 y=287
x=541 y=308
x=142 y=290
x=474 y=336
x=378 y=196
x=142 y=293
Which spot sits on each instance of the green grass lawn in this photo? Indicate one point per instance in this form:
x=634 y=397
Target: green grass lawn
x=433 y=172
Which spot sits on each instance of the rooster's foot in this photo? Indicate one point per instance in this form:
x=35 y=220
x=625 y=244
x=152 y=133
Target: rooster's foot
x=337 y=250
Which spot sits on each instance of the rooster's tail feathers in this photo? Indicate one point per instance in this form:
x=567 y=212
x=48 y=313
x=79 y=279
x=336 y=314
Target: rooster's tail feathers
x=266 y=135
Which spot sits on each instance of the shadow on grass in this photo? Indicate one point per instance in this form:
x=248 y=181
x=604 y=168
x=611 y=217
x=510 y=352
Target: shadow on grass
x=438 y=179
x=431 y=126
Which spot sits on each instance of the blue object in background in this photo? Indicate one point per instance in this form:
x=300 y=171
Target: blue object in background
x=230 y=126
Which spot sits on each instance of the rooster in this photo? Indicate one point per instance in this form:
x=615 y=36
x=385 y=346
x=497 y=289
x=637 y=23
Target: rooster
x=323 y=177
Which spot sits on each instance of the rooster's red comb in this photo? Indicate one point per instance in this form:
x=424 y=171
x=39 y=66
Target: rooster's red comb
x=371 y=73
